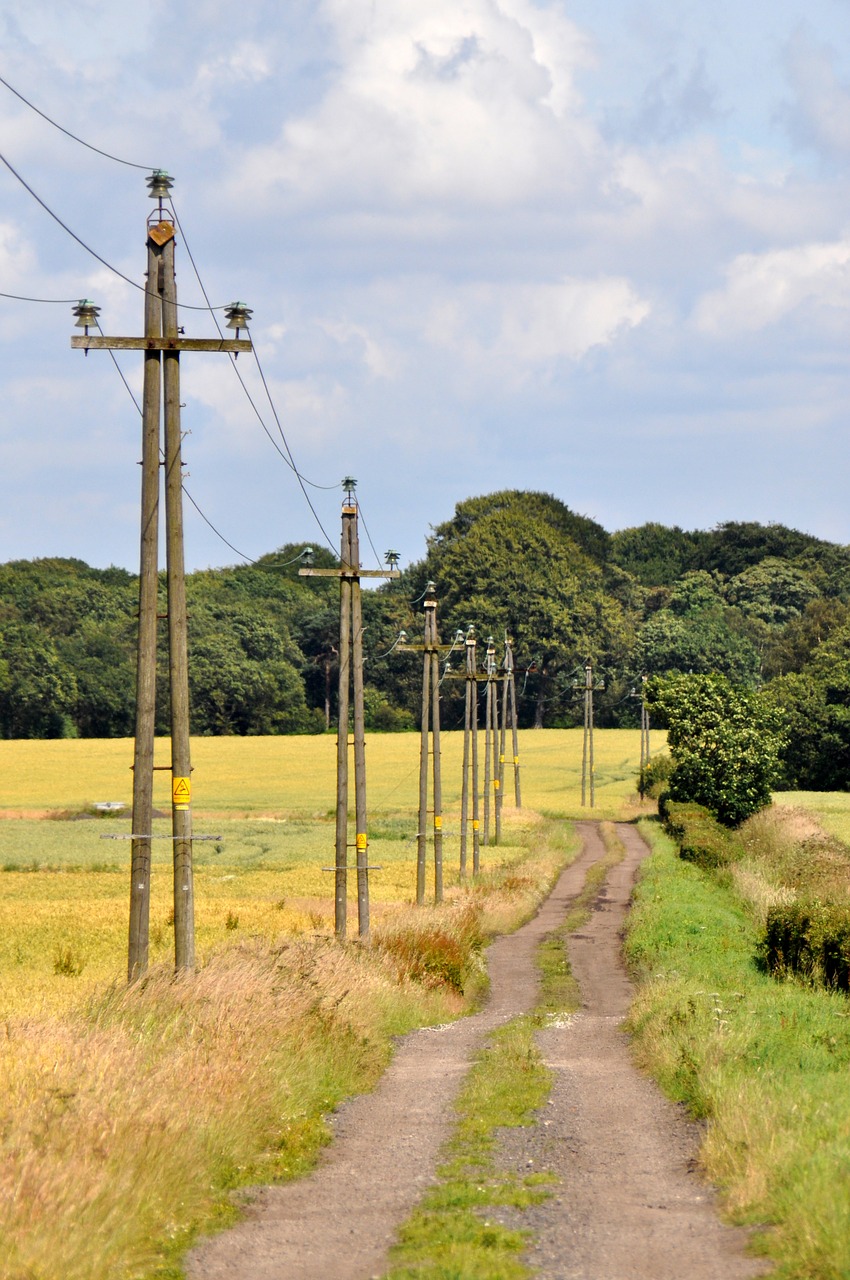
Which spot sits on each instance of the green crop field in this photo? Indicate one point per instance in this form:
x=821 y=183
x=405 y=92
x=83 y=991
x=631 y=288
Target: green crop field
x=269 y=803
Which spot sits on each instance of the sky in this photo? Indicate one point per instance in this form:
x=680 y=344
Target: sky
x=596 y=250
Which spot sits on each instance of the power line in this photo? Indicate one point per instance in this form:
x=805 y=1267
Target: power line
x=287 y=457
x=298 y=477
x=204 y=517
x=267 y=564
x=55 y=216
x=20 y=297
x=68 y=133
x=378 y=560
x=233 y=364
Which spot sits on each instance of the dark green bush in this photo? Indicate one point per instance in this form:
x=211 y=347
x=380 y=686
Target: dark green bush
x=700 y=837
x=811 y=940
x=654 y=775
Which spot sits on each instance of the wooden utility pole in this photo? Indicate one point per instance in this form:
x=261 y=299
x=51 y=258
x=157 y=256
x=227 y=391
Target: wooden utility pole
x=491 y=740
x=350 y=682
x=429 y=746
x=587 y=765
x=510 y=711
x=644 y=735
x=430 y=715
x=162 y=344
x=470 y=762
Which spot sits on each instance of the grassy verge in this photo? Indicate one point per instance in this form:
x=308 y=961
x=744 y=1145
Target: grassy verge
x=763 y=1062
x=451 y=1235
x=125 y=1122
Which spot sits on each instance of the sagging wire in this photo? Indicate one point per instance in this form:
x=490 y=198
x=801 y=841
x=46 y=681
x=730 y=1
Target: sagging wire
x=400 y=639
x=19 y=297
x=242 y=555
x=459 y=639
x=93 y=252
x=118 y=160
x=296 y=472
x=362 y=521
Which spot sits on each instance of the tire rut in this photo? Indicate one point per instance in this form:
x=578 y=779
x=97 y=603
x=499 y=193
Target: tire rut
x=340 y=1222
x=630 y=1205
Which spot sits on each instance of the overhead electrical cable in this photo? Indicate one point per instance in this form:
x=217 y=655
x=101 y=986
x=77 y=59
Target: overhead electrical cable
x=286 y=445
x=378 y=560
x=55 y=216
x=130 y=163
x=20 y=297
x=242 y=555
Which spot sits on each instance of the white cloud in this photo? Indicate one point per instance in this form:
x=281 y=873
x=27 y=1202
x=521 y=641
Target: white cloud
x=762 y=289
x=472 y=101
x=509 y=333
x=820 y=114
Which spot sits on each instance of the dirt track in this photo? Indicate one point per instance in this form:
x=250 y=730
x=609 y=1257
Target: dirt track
x=629 y=1207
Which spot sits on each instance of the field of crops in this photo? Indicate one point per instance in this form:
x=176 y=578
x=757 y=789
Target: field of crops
x=270 y=804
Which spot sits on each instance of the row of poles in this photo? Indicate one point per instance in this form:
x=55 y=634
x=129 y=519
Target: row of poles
x=351 y=733
x=495 y=733
x=162 y=344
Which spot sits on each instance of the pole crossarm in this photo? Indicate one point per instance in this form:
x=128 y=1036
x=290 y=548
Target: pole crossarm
x=425 y=648
x=93 y=343
x=349 y=573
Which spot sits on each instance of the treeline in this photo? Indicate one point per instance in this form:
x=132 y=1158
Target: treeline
x=763 y=605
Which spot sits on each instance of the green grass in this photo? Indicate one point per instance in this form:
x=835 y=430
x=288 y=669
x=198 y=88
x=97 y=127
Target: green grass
x=763 y=1063
x=451 y=1234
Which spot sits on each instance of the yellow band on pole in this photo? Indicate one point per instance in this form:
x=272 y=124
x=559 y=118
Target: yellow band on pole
x=438 y=822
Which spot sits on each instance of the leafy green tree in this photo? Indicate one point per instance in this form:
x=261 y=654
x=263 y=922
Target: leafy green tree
x=737 y=545
x=522 y=504
x=37 y=690
x=774 y=591
x=654 y=554
x=700 y=639
x=816 y=704
x=510 y=571
x=725 y=742
x=792 y=648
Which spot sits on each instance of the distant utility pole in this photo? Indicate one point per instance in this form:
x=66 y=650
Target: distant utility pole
x=430 y=746
x=351 y=680
x=491 y=742
x=587 y=767
x=470 y=761
x=162 y=344
x=509 y=711
x=430 y=720
x=644 y=735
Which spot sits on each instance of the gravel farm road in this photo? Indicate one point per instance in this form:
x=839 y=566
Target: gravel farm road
x=629 y=1204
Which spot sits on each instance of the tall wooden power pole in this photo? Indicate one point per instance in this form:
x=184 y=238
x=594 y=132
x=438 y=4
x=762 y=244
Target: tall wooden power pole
x=470 y=762
x=429 y=747
x=491 y=741
x=644 y=734
x=351 y=682
x=162 y=344
x=510 y=712
x=430 y=713
x=588 y=772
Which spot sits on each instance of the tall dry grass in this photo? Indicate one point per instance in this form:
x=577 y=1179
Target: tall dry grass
x=124 y=1124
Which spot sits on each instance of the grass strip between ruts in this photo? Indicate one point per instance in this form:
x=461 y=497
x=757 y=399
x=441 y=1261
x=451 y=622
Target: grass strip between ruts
x=450 y=1234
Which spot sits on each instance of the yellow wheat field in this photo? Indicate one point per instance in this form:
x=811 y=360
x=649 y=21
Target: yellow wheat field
x=268 y=806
